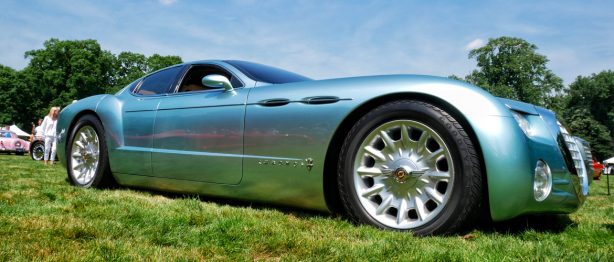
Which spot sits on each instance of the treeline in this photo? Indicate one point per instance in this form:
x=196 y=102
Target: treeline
x=507 y=67
x=65 y=70
x=511 y=67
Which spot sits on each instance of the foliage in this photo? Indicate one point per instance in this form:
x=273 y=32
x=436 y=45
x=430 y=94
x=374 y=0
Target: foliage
x=42 y=217
x=510 y=67
x=67 y=70
x=7 y=94
x=131 y=66
x=590 y=111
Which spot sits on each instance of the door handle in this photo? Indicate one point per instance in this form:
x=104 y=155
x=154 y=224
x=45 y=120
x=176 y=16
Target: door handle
x=274 y=102
x=320 y=100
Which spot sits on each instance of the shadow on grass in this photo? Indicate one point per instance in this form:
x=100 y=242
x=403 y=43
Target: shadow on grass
x=610 y=227
x=545 y=223
x=288 y=210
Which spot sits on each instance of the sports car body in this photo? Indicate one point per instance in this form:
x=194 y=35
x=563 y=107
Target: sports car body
x=406 y=152
x=11 y=143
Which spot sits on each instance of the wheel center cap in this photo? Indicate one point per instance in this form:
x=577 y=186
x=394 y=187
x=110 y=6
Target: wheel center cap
x=401 y=175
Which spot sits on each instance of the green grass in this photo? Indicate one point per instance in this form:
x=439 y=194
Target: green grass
x=42 y=217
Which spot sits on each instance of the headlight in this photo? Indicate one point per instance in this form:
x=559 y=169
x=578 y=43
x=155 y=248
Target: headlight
x=542 y=182
x=522 y=122
x=17 y=144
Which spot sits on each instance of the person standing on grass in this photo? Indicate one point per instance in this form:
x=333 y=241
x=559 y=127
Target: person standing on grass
x=48 y=128
x=37 y=130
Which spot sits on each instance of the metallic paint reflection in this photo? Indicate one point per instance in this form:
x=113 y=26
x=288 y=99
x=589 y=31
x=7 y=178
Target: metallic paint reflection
x=213 y=143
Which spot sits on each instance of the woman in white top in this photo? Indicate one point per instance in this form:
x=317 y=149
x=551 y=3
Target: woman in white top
x=48 y=130
x=38 y=130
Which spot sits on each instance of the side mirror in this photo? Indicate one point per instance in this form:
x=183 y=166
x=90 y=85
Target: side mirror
x=217 y=81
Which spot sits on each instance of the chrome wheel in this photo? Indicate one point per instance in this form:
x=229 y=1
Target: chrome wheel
x=38 y=151
x=85 y=155
x=403 y=174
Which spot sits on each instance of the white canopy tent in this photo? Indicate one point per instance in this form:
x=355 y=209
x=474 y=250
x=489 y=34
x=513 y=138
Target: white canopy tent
x=18 y=131
x=609 y=161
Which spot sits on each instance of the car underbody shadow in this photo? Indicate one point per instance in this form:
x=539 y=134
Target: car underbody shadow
x=288 y=210
x=543 y=223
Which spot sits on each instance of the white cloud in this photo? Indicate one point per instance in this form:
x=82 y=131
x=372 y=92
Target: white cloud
x=476 y=43
x=167 y=2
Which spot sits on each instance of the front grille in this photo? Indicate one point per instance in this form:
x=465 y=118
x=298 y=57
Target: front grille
x=570 y=150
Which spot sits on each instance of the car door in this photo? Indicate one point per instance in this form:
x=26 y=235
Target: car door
x=199 y=130
x=139 y=112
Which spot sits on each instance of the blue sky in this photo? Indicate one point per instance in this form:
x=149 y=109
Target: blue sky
x=321 y=39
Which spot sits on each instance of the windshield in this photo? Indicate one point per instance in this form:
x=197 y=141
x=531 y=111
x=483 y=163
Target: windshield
x=268 y=74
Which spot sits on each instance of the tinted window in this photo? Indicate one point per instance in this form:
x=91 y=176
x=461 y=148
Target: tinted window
x=268 y=74
x=192 y=81
x=159 y=82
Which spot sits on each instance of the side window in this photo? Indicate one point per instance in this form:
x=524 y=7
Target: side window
x=158 y=83
x=193 y=78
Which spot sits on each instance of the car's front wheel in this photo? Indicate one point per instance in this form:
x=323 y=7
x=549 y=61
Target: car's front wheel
x=410 y=165
x=37 y=150
x=87 y=157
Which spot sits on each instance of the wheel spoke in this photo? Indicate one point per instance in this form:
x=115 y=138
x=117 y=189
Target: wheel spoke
x=401 y=211
x=376 y=154
x=420 y=210
x=420 y=146
x=437 y=174
x=432 y=157
x=374 y=190
x=80 y=144
x=434 y=195
x=384 y=205
x=369 y=171
x=390 y=145
x=407 y=143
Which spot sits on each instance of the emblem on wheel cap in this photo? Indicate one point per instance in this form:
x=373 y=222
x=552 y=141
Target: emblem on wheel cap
x=400 y=175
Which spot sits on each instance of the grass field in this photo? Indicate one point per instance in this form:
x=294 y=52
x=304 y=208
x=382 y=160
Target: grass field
x=42 y=217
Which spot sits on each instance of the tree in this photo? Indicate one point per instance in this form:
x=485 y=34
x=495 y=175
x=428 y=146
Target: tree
x=131 y=66
x=592 y=98
x=128 y=67
x=510 y=67
x=7 y=95
x=157 y=62
x=66 y=70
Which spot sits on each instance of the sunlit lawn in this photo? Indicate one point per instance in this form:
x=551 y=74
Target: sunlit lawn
x=43 y=217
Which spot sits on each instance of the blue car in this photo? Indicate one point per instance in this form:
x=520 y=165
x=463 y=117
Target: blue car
x=405 y=152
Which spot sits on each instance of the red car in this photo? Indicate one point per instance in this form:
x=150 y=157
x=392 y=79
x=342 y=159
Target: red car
x=598 y=167
x=10 y=143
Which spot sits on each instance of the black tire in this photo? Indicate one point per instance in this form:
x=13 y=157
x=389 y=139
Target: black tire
x=465 y=201
x=102 y=177
x=37 y=150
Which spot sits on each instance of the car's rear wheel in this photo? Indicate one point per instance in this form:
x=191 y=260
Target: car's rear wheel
x=37 y=150
x=409 y=165
x=87 y=157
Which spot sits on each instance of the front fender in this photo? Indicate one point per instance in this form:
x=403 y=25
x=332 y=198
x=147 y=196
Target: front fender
x=68 y=116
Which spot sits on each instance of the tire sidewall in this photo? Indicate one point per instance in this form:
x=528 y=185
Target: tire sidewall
x=92 y=121
x=415 y=111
